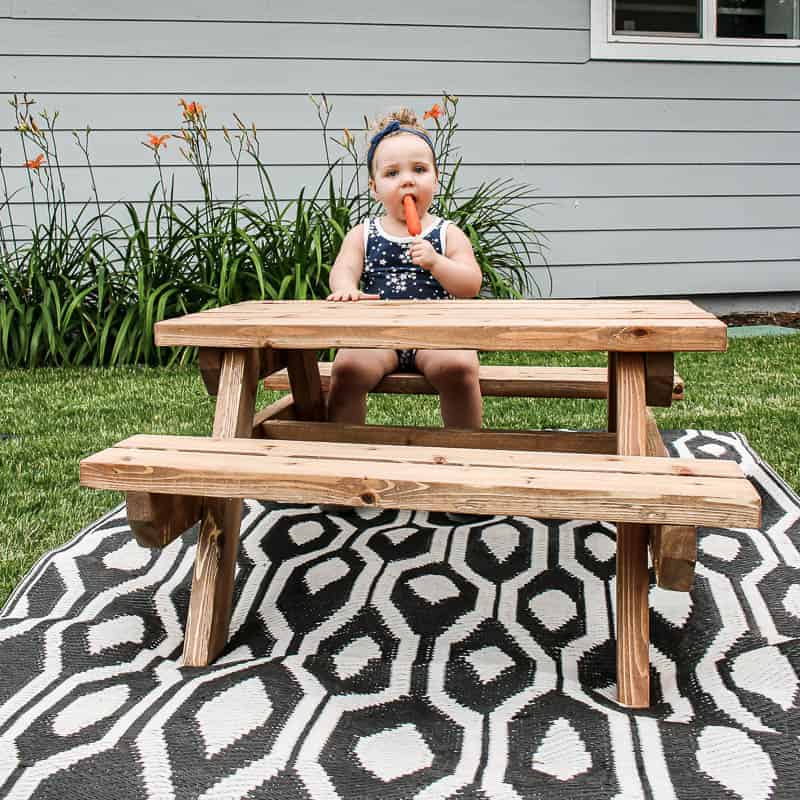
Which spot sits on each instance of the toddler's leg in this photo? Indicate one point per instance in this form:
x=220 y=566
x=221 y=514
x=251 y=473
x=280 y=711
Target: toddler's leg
x=356 y=372
x=454 y=374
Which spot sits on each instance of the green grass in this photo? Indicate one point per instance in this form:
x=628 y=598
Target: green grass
x=58 y=416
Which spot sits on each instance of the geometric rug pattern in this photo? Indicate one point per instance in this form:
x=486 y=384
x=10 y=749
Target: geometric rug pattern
x=399 y=654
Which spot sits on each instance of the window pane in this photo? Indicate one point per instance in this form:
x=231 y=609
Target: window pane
x=666 y=17
x=757 y=19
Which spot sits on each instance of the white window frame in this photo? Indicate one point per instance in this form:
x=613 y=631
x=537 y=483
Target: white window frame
x=607 y=45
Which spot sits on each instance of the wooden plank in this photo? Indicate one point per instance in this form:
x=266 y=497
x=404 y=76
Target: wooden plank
x=474 y=324
x=441 y=449
x=659 y=378
x=551 y=309
x=157 y=519
x=218 y=540
x=309 y=400
x=633 y=619
x=611 y=383
x=210 y=363
x=551 y=441
x=282 y=408
x=333 y=475
x=673 y=548
x=495 y=381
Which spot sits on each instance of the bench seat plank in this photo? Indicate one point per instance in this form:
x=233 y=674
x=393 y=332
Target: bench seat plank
x=547 y=485
x=495 y=381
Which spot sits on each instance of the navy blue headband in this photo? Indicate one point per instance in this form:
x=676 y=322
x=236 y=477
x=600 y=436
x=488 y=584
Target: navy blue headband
x=393 y=126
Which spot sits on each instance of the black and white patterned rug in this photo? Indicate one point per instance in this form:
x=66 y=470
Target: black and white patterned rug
x=406 y=655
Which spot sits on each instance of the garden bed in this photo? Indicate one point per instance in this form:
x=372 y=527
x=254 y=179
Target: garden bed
x=786 y=319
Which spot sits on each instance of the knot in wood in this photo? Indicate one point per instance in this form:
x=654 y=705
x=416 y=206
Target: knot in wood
x=369 y=498
x=439 y=460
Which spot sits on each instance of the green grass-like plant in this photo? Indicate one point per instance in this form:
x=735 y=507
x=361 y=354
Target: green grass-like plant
x=88 y=290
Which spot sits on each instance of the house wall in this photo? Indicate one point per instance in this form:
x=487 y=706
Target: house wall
x=651 y=178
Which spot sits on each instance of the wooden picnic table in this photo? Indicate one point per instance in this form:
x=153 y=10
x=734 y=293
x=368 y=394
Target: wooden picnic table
x=243 y=342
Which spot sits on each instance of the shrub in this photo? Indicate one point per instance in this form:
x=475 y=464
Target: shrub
x=88 y=290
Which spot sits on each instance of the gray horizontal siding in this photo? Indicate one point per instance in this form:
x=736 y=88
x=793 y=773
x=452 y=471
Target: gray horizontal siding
x=558 y=215
x=410 y=78
x=159 y=111
x=592 y=280
x=649 y=178
x=550 y=181
x=511 y=13
x=279 y=40
x=476 y=147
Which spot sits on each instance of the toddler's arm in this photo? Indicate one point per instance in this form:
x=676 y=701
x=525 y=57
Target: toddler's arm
x=346 y=270
x=457 y=270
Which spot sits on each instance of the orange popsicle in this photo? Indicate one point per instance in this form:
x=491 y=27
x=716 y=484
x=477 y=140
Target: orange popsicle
x=412 y=218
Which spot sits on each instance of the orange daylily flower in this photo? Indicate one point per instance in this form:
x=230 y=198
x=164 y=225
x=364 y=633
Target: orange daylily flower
x=158 y=141
x=435 y=111
x=190 y=110
x=36 y=162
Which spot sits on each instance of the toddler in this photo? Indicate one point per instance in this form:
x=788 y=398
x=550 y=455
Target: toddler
x=389 y=264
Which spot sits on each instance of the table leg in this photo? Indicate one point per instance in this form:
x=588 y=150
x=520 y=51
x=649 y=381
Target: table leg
x=633 y=621
x=218 y=540
x=612 y=392
x=306 y=387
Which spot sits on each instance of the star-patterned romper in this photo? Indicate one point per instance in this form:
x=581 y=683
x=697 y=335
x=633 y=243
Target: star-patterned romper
x=390 y=273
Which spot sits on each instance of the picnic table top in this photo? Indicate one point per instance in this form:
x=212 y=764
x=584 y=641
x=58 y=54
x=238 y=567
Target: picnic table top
x=607 y=325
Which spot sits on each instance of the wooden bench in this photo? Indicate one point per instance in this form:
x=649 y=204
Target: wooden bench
x=201 y=473
x=502 y=381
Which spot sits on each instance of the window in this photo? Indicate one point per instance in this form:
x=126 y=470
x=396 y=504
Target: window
x=697 y=30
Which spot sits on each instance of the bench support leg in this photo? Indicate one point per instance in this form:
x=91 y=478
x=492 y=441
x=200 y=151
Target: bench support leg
x=673 y=547
x=611 y=397
x=633 y=620
x=218 y=541
x=157 y=519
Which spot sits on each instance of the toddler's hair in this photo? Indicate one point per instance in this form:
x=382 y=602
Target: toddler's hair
x=405 y=116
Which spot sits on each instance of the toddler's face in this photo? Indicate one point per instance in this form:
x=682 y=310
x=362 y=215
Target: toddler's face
x=403 y=164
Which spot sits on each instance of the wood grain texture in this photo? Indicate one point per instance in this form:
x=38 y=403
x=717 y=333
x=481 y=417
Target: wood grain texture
x=306 y=388
x=218 y=540
x=391 y=476
x=631 y=404
x=282 y=409
x=673 y=548
x=211 y=449
x=633 y=619
x=157 y=519
x=210 y=363
x=611 y=404
x=647 y=326
x=495 y=381
x=553 y=441
x=238 y=383
x=659 y=378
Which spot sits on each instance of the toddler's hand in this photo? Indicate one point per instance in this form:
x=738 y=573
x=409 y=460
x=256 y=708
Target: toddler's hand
x=422 y=253
x=352 y=294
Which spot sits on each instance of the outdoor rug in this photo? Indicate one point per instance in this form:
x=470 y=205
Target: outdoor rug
x=406 y=655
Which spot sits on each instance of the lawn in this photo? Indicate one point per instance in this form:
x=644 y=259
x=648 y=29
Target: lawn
x=51 y=418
